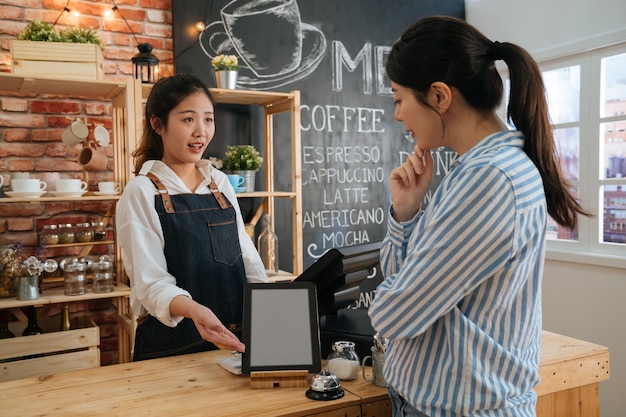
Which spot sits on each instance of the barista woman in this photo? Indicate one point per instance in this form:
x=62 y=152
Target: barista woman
x=180 y=228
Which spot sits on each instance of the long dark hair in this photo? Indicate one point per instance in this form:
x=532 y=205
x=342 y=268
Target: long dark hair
x=166 y=94
x=449 y=50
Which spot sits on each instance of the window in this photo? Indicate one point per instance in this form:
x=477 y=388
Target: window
x=586 y=96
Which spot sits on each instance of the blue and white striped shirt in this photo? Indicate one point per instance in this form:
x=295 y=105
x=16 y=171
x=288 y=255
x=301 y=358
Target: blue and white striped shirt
x=461 y=298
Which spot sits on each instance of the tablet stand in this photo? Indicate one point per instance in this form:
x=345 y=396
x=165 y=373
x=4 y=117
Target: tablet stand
x=278 y=379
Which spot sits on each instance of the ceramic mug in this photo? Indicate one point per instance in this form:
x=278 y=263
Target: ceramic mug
x=75 y=133
x=28 y=185
x=70 y=185
x=92 y=159
x=236 y=180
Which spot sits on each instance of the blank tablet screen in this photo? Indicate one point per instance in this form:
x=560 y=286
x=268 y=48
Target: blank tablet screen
x=280 y=327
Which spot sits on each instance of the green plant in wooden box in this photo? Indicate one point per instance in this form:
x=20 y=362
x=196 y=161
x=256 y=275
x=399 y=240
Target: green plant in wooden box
x=39 y=31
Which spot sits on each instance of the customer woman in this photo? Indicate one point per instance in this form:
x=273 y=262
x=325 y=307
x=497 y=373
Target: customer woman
x=185 y=248
x=461 y=298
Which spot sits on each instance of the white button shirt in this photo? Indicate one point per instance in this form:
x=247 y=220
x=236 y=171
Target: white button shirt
x=140 y=236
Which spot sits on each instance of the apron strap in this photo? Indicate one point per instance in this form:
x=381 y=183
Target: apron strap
x=218 y=195
x=167 y=200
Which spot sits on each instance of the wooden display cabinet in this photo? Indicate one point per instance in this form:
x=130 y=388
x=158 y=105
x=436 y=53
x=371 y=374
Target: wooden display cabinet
x=122 y=98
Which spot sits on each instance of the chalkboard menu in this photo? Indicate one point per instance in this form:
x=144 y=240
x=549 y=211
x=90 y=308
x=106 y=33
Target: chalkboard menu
x=334 y=52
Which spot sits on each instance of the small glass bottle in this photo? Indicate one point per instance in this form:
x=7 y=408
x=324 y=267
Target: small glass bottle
x=65 y=317
x=32 y=328
x=343 y=361
x=267 y=244
x=49 y=234
x=5 y=333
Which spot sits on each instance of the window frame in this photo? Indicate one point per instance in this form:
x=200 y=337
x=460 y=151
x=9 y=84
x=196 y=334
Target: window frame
x=588 y=249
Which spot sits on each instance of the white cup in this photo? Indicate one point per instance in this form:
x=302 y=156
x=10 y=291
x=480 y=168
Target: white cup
x=109 y=187
x=20 y=175
x=68 y=185
x=28 y=185
x=50 y=178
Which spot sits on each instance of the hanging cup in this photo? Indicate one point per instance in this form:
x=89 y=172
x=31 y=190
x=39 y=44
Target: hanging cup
x=92 y=159
x=75 y=133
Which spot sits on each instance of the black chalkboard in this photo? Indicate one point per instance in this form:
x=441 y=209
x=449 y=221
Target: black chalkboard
x=334 y=52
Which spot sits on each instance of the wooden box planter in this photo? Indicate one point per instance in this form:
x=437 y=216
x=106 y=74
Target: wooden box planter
x=51 y=352
x=73 y=61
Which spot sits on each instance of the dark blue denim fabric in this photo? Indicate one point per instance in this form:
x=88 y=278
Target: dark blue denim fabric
x=203 y=253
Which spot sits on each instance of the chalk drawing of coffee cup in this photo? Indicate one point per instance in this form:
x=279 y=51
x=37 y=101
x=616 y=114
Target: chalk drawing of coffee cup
x=274 y=45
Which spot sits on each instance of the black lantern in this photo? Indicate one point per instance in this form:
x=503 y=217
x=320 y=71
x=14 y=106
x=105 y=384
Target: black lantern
x=145 y=64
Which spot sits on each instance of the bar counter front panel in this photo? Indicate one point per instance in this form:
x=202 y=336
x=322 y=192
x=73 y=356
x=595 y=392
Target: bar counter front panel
x=196 y=385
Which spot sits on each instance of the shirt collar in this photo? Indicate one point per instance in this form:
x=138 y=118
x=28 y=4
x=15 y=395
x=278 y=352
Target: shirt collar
x=500 y=139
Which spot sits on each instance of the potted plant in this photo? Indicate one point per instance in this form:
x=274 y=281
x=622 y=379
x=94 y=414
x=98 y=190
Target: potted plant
x=244 y=160
x=72 y=53
x=226 y=71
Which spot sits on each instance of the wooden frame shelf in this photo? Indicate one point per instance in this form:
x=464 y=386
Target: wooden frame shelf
x=57 y=296
x=44 y=199
x=122 y=99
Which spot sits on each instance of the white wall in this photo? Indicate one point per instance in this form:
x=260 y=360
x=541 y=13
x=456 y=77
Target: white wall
x=582 y=301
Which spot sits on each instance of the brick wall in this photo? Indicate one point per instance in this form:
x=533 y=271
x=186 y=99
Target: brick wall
x=31 y=126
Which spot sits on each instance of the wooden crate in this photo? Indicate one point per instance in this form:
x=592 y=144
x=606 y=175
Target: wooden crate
x=73 y=61
x=51 y=352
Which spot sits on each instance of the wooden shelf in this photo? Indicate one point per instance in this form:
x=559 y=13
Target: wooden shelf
x=124 y=113
x=56 y=199
x=11 y=83
x=90 y=243
x=57 y=295
x=268 y=194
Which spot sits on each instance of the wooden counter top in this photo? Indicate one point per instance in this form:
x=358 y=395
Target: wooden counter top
x=196 y=385
x=189 y=385
x=567 y=362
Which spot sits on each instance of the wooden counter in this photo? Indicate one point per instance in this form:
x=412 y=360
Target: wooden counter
x=195 y=385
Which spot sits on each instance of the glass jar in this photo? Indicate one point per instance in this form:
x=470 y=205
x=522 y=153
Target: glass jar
x=74 y=276
x=9 y=270
x=99 y=231
x=49 y=234
x=103 y=275
x=84 y=232
x=343 y=361
x=66 y=233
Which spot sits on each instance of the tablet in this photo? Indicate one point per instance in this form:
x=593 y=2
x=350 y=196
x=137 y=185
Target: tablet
x=280 y=327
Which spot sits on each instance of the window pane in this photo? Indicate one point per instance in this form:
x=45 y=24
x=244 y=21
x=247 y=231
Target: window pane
x=613 y=87
x=568 y=145
x=614 y=219
x=563 y=93
x=614 y=149
x=555 y=231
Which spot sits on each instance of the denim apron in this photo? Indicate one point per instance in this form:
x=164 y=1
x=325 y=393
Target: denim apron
x=203 y=253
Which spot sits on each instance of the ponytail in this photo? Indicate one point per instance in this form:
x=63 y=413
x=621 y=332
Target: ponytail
x=528 y=110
